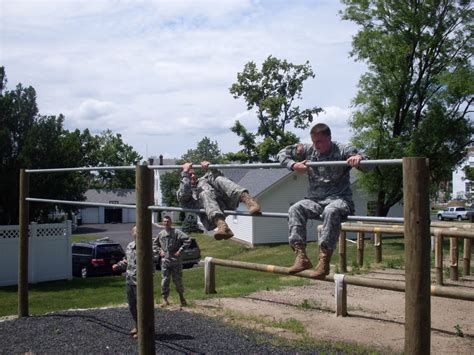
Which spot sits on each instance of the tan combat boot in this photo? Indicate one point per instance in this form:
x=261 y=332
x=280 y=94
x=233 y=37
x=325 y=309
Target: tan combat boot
x=302 y=261
x=182 y=300
x=323 y=267
x=250 y=202
x=223 y=230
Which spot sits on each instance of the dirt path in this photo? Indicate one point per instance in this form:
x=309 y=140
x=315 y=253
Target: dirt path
x=376 y=317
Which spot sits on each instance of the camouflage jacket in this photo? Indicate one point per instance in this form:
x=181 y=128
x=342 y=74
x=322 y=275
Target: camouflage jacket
x=129 y=264
x=169 y=242
x=325 y=182
x=188 y=195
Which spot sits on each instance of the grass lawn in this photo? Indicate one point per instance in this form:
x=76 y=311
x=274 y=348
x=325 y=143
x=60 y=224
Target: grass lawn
x=106 y=291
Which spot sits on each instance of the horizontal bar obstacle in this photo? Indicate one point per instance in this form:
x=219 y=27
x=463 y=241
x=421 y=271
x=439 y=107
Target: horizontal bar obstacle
x=216 y=166
x=416 y=226
x=210 y=264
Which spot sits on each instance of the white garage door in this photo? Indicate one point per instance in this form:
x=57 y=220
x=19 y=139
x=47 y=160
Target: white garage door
x=90 y=215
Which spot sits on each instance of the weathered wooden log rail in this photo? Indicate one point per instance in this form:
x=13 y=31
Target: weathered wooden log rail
x=438 y=232
x=341 y=281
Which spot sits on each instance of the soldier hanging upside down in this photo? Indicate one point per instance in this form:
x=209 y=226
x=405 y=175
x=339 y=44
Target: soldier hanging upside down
x=329 y=195
x=214 y=193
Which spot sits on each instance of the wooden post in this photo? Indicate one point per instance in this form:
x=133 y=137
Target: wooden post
x=342 y=252
x=467 y=257
x=378 y=245
x=416 y=214
x=341 y=295
x=360 y=248
x=23 y=246
x=209 y=276
x=439 y=257
x=145 y=302
x=454 y=253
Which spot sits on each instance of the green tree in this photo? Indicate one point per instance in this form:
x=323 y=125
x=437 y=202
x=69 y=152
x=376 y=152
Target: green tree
x=112 y=151
x=272 y=91
x=469 y=173
x=29 y=140
x=205 y=150
x=415 y=98
x=48 y=145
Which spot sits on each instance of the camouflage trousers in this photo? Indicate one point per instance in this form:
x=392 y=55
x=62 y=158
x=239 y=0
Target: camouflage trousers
x=333 y=211
x=131 y=291
x=168 y=271
x=217 y=195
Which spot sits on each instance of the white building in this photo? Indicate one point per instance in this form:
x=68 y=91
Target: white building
x=463 y=188
x=100 y=215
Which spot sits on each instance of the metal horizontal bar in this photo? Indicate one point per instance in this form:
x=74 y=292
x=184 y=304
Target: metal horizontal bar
x=227 y=212
x=278 y=165
x=272 y=214
x=85 y=168
x=180 y=209
x=398 y=286
x=80 y=203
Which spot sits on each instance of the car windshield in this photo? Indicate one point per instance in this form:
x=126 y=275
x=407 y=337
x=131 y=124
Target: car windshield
x=109 y=251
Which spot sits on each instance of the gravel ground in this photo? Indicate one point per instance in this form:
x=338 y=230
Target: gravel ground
x=107 y=331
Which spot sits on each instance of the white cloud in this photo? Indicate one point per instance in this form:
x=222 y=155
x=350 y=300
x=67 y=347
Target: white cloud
x=159 y=72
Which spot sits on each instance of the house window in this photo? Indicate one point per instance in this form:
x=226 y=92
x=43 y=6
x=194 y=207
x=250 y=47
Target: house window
x=234 y=219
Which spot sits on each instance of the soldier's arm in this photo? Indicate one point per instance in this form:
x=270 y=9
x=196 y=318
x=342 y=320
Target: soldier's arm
x=184 y=240
x=185 y=192
x=293 y=157
x=156 y=249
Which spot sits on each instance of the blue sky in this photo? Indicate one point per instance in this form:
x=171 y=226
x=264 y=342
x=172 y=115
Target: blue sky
x=159 y=72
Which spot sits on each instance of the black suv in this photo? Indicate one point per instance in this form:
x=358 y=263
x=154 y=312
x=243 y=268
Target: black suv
x=191 y=256
x=95 y=257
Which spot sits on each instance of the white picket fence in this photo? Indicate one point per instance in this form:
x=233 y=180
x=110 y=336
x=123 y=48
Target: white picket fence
x=49 y=253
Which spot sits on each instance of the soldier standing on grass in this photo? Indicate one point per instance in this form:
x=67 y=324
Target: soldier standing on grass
x=329 y=195
x=169 y=244
x=215 y=193
x=129 y=264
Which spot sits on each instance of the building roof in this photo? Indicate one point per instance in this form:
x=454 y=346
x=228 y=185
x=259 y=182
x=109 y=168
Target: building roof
x=258 y=180
x=120 y=196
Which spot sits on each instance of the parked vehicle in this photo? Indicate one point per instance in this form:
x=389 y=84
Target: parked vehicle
x=191 y=255
x=96 y=257
x=450 y=213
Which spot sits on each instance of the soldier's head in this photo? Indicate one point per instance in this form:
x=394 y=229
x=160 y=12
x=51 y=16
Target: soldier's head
x=193 y=176
x=167 y=222
x=321 y=138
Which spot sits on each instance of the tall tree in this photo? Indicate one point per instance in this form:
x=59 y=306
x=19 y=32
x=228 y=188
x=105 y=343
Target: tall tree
x=416 y=97
x=273 y=91
x=112 y=151
x=205 y=150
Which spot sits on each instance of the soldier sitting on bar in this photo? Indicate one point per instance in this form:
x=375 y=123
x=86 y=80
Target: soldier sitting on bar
x=329 y=195
x=214 y=193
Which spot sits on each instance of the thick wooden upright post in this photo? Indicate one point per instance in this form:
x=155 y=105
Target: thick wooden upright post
x=467 y=257
x=360 y=248
x=454 y=253
x=23 y=246
x=145 y=302
x=417 y=256
x=342 y=252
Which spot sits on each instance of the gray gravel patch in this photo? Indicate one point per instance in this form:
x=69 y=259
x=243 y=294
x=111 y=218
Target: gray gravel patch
x=104 y=331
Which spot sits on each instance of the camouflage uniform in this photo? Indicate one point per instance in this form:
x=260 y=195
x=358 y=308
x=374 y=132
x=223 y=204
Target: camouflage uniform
x=329 y=192
x=169 y=242
x=213 y=192
x=129 y=264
